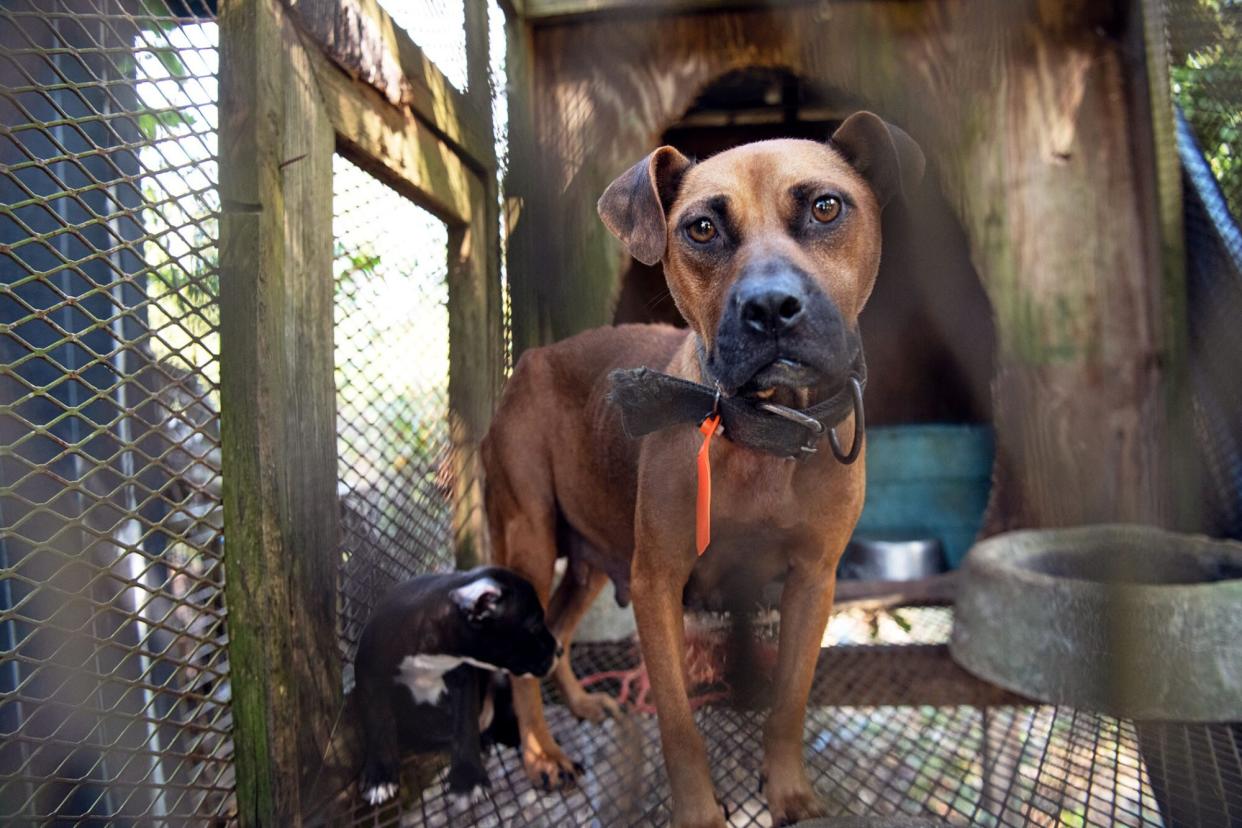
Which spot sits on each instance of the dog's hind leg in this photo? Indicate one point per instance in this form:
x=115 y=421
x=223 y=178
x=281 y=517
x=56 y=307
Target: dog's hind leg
x=573 y=596
x=529 y=549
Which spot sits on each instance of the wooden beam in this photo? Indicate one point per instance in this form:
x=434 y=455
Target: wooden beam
x=522 y=192
x=474 y=367
x=389 y=142
x=476 y=341
x=1159 y=171
x=360 y=37
x=934 y=590
x=546 y=11
x=279 y=429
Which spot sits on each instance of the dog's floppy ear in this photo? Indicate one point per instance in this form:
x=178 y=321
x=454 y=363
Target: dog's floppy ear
x=633 y=206
x=887 y=157
x=478 y=600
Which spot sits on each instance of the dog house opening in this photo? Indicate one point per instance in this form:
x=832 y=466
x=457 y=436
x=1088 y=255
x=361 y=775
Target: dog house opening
x=927 y=329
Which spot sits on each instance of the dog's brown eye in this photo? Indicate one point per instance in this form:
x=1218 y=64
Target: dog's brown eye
x=701 y=230
x=826 y=209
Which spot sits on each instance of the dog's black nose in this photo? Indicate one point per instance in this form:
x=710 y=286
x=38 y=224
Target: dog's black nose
x=771 y=306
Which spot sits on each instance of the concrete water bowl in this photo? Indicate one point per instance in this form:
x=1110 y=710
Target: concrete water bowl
x=1129 y=620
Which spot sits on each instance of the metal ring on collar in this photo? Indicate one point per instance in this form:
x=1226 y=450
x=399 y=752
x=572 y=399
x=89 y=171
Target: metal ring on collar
x=860 y=426
x=793 y=415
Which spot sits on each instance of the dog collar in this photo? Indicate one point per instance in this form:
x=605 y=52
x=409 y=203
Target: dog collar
x=651 y=401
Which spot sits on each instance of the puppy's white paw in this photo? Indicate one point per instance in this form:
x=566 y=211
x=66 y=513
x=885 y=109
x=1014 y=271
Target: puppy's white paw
x=464 y=801
x=380 y=794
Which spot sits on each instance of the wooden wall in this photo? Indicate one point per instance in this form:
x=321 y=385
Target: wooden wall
x=1036 y=118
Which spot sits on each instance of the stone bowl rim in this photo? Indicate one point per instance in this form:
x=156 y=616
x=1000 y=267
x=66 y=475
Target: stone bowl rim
x=997 y=555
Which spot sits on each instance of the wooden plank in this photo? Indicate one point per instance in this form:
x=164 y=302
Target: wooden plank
x=522 y=190
x=478 y=52
x=1160 y=174
x=389 y=142
x=474 y=365
x=476 y=343
x=933 y=590
x=905 y=675
x=360 y=37
x=278 y=401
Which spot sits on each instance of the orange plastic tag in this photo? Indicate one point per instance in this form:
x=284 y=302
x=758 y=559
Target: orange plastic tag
x=703 y=508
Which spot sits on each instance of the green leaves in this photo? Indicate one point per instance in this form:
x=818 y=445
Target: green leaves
x=151 y=121
x=1208 y=87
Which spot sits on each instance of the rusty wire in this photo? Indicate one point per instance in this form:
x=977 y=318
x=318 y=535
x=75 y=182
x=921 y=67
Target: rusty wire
x=893 y=729
x=115 y=677
x=114 y=688
x=392 y=350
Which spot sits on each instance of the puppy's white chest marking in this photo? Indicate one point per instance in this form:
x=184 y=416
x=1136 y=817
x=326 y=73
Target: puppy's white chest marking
x=424 y=674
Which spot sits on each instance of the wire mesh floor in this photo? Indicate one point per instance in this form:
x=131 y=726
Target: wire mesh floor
x=892 y=729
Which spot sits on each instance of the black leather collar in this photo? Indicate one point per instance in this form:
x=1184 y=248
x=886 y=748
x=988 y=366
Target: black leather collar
x=651 y=401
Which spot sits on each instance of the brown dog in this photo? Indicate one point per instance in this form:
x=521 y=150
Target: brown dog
x=770 y=251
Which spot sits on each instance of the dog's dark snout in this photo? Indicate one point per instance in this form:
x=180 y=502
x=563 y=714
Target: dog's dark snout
x=560 y=650
x=772 y=306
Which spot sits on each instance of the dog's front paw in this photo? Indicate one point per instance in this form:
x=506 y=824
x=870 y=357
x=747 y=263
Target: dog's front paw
x=549 y=769
x=792 y=803
x=465 y=800
x=378 y=782
x=378 y=794
x=467 y=785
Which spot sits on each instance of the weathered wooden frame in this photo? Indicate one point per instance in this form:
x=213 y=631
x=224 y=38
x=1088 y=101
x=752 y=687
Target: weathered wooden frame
x=300 y=80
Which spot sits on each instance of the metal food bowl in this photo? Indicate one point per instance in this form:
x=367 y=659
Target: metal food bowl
x=875 y=559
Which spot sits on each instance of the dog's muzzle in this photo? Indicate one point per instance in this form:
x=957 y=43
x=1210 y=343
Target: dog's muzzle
x=779 y=328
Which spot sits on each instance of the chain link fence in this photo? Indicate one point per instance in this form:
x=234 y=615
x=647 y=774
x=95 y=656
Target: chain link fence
x=114 y=690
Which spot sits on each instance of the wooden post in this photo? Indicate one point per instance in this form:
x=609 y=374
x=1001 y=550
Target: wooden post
x=476 y=346
x=474 y=322
x=1048 y=187
x=525 y=210
x=279 y=410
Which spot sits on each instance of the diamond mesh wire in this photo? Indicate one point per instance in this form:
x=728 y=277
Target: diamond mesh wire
x=1205 y=43
x=438 y=27
x=114 y=692
x=893 y=729
x=392 y=368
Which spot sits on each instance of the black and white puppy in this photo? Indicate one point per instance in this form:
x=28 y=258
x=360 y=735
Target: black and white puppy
x=430 y=674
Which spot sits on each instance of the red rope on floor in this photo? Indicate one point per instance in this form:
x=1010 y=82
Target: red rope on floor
x=706 y=662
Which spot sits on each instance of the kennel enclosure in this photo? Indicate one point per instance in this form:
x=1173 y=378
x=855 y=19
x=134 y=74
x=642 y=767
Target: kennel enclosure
x=231 y=234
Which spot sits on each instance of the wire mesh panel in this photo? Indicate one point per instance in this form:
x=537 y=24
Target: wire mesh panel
x=392 y=369
x=438 y=27
x=1205 y=42
x=891 y=730
x=114 y=692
